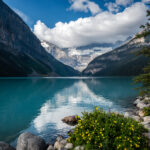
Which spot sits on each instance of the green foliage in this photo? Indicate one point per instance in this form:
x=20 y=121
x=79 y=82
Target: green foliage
x=146 y=111
x=144 y=78
x=108 y=131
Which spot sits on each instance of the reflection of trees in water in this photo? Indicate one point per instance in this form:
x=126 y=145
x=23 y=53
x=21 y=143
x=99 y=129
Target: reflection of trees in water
x=120 y=90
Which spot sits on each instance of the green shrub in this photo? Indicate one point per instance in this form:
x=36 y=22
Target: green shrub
x=146 y=111
x=108 y=131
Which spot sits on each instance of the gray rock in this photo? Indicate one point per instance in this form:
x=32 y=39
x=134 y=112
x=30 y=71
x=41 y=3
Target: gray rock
x=50 y=147
x=5 y=146
x=141 y=113
x=141 y=105
x=69 y=146
x=79 y=148
x=137 y=118
x=136 y=101
x=128 y=114
x=28 y=141
x=147 y=119
x=64 y=141
x=58 y=145
x=59 y=138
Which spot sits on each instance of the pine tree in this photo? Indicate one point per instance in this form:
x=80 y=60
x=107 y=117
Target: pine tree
x=144 y=79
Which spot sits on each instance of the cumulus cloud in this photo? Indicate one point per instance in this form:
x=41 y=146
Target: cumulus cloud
x=85 y=6
x=124 y=2
x=114 y=7
x=105 y=27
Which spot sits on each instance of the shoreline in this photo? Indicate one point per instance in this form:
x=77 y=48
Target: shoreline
x=61 y=143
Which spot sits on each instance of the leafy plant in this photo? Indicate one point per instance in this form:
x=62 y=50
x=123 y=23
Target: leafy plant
x=146 y=111
x=108 y=131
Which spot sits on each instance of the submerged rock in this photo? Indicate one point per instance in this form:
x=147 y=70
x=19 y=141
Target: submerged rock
x=71 y=120
x=5 y=146
x=28 y=141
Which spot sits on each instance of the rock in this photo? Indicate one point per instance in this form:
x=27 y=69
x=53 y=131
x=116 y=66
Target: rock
x=69 y=146
x=136 y=101
x=71 y=120
x=141 y=113
x=50 y=147
x=137 y=118
x=128 y=114
x=58 y=145
x=5 y=146
x=59 y=138
x=141 y=105
x=64 y=141
x=147 y=119
x=145 y=123
x=28 y=141
x=79 y=148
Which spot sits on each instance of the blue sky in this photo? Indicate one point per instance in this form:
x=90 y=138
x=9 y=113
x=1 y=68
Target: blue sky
x=51 y=11
x=74 y=23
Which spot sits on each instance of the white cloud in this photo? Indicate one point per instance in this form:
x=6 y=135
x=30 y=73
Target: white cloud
x=22 y=15
x=112 y=7
x=105 y=27
x=124 y=2
x=85 y=6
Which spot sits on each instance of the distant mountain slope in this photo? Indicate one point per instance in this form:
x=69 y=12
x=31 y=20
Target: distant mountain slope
x=120 y=62
x=21 y=53
x=79 y=57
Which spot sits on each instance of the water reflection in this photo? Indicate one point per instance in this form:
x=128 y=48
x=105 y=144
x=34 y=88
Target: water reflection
x=38 y=105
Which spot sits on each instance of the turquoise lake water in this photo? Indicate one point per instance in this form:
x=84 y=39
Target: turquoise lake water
x=37 y=105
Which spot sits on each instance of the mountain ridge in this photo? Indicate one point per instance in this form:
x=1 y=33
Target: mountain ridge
x=122 y=61
x=21 y=52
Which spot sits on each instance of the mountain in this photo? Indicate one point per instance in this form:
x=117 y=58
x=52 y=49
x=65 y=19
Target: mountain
x=122 y=61
x=21 y=53
x=79 y=57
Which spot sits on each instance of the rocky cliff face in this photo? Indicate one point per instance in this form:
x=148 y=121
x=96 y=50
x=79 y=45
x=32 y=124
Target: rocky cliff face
x=122 y=61
x=21 y=53
x=79 y=57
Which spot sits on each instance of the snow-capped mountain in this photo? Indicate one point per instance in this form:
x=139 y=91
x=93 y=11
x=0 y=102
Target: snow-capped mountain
x=79 y=57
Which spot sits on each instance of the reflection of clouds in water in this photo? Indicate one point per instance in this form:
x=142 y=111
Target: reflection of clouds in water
x=69 y=101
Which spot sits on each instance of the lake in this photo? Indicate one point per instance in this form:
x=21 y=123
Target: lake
x=37 y=105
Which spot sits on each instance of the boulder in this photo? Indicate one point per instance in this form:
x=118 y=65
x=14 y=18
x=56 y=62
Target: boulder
x=71 y=120
x=69 y=146
x=59 y=138
x=136 y=101
x=58 y=145
x=5 y=146
x=137 y=118
x=50 y=147
x=79 y=148
x=28 y=141
x=147 y=119
x=141 y=105
x=128 y=114
x=141 y=113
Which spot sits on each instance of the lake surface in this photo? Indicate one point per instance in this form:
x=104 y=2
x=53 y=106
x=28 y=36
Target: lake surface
x=37 y=105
